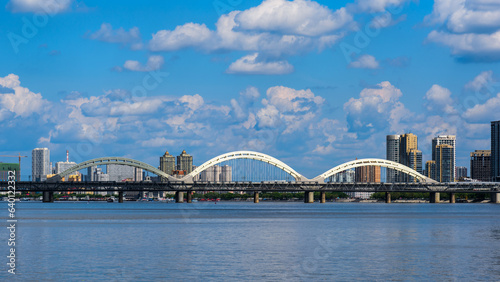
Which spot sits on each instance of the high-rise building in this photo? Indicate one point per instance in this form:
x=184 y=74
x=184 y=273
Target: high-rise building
x=445 y=163
x=480 y=165
x=444 y=139
x=167 y=164
x=185 y=162
x=40 y=164
x=120 y=173
x=393 y=155
x=403 y=149
x=368 y=174
x=460 y=172
x=346 y=176
x=91 y=173
x=5 y=168
x=495 y=151
x=430 y=169
x=226 y=174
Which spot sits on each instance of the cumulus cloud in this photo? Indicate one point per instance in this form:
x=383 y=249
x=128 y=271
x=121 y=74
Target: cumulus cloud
x=275 y=28
x=365 y=62
x=376 y=108
x=187 y=35
x=301 y=17
x=154 y=63
x=251 y=65
x=107 y=34
x=20 y=100
x=470 y=46
x=481 y=81
x=39 y=6
x=439 y=100
x=377 y=5
x=484 y=112
x=472 y=28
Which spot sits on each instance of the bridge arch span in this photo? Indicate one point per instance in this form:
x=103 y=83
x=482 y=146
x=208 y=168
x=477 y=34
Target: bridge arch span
x=374 y=162
x=247 y=155
x=111 y=160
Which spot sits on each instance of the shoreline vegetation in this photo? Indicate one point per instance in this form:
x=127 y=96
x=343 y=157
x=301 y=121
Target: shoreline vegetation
x=274 y=196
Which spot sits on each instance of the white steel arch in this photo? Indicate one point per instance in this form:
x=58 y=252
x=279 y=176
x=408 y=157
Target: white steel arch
x=375 y=162
x=248 y=155
x=112 y=160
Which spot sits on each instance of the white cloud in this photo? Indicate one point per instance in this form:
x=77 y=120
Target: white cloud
x=377 y=5
x=193 y=102
x=22 y=102
x=439 y=100
x=481 y=81
x=365 y=62
x=39 y=6
x=158 y=142
x=482 y=47
x=484 y=112
x=187 y=35
x=472 y=28
x=155 y=62
x=269 y=117
x=300 y=17
x=250 y=64
x=290 y=100
x=273 y=29
x=376 y=108
x=120 y=35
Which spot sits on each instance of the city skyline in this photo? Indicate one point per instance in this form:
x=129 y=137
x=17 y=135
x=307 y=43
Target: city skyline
x=134 y=86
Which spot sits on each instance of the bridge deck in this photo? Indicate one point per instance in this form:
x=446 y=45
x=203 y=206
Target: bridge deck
x=455 y=187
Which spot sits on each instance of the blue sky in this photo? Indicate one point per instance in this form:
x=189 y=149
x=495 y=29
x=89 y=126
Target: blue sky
x=312 y=83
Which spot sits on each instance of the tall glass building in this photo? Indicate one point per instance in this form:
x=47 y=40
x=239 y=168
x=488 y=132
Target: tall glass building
x=444 y=139
x=495 y=151
x=40 y=164
x=445 y=163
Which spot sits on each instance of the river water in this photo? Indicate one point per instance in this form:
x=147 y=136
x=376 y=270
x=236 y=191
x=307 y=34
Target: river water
x=144 y=241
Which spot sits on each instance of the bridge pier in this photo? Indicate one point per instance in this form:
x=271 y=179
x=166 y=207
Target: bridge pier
x=48 y=197
x=120 y=197
x=452 y=198
x=387 y=197
x=308 y=197
x=256 y=197
x=495 y=198
x=322 y=197
x=434 y=197
x=179 y=197
x=189 y=197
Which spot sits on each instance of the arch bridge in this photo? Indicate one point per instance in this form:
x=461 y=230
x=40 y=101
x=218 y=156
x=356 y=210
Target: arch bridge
x=247 y=155
x=111 y=160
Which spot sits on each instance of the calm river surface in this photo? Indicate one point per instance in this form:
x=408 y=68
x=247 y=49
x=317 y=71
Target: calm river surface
x=144 y=241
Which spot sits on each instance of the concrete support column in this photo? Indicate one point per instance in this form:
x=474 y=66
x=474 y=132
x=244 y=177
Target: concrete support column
x=256 y=197
x=387 y=197
x=189 y=197
x=48 y=197
x=120 y=197
x=308 y=197
x=435 y=197
x=322 y=197
x=495 y=198
x=179 y=197
x=452 y=198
